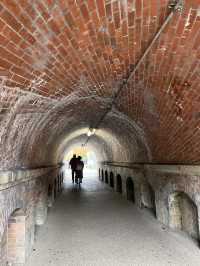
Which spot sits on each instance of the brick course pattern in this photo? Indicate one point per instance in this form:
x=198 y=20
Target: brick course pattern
x=61 y=63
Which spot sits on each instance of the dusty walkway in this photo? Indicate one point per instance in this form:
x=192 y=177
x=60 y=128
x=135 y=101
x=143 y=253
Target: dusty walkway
x=96 y=226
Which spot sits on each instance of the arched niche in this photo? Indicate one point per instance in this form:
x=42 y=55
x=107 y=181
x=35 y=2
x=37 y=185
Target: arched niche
x=183 y=214
x=106 y=177
x=119 y=183
x=130 y=191
x=102 y=175
x=112 y=179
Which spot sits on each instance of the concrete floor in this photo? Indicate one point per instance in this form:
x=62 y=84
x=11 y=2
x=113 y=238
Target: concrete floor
x=96 y=226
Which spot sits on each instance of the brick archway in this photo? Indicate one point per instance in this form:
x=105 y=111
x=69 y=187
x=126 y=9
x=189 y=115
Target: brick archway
x=183 y=214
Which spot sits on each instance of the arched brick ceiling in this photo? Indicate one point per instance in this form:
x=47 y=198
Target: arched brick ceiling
x=62 y=61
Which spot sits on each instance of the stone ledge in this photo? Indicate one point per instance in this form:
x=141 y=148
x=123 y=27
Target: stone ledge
x=163 y=168
x=176 y=169
x=10 y=178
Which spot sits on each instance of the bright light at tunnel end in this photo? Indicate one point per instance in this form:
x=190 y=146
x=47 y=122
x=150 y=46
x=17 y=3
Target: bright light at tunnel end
x=91 y=132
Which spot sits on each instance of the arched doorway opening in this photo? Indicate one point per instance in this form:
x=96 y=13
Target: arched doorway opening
x=119 y=184
x=106 y=177
x=102 y=175
x=183 y=214
x=130 y=189
x=112 y=179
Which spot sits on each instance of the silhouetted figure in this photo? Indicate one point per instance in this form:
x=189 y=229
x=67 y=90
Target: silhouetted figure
x=79 y=170
x=73 y=163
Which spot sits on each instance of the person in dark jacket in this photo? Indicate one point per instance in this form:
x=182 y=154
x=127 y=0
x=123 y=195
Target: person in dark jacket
x=72 y=164
x=79 y=170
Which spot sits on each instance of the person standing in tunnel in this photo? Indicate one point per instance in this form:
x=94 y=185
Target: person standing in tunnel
x=72 y=164
x=79 y=170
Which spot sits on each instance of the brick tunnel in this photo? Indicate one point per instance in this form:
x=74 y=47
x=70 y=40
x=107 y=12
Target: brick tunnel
x=120 y=78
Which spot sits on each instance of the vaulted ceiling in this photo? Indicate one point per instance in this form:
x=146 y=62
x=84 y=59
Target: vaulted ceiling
x=62 y=62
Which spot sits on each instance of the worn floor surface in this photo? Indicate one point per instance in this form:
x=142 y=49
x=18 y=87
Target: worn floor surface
x=96 y=226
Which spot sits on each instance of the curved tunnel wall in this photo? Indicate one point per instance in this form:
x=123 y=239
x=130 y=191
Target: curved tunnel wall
x=41 y=143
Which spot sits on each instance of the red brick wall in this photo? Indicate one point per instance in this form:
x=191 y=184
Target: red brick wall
x=56 y=56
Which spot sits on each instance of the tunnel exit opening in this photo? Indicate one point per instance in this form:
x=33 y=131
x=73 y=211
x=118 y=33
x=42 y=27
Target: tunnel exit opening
x=89 y=158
